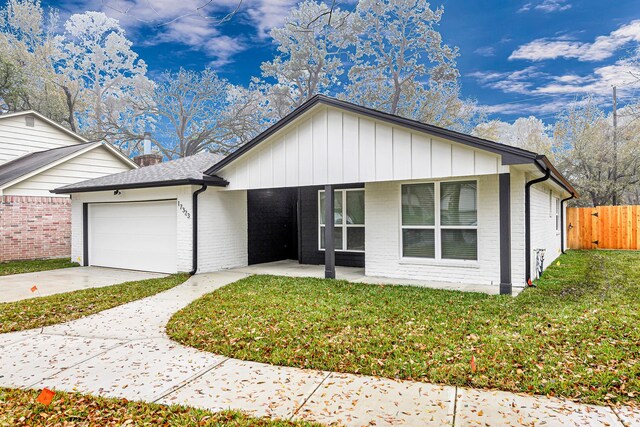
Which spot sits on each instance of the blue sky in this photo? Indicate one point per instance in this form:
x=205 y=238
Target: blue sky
x=517 y=58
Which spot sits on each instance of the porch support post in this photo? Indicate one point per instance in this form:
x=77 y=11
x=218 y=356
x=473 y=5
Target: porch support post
x=329 y=243
x=505 y=233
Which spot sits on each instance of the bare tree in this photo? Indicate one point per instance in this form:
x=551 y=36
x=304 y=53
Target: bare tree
x=198 y=111
x=400 y=63
x=309 y=58
x=27 y=48
x=584 y=147
x=529 y=133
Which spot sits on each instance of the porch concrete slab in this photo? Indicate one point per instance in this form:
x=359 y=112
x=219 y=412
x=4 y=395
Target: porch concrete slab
x=352 y=400
x=292 y=268
x=18 y=286
x=137 y=370
x=255 y=388
x=148 y=317
x=483 y=407
x=629 y=416
x=26 y=362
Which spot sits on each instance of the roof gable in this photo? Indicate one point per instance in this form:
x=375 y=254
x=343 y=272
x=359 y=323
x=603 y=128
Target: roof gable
x=510 y=155
x=330 y=145
x=46 y=120
x=34 y=163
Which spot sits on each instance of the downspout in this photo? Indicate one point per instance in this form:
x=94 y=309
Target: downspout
x=562 y=228
x=527 y=220
x=194 y=240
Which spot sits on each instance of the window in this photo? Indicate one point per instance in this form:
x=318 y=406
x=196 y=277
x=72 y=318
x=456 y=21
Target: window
x=348 y=220
x=440 y=220
x=558 y=208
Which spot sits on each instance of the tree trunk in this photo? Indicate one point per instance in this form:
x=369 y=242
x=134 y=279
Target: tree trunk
x=70 y=118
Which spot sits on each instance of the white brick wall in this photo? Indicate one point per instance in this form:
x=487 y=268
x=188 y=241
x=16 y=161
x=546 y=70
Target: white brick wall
x=222 y=229
x=543 y=225
x=181 y=193
x=382 y=220
x=518 y=182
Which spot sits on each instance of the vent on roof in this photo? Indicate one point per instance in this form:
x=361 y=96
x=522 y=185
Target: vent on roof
x=29 y=121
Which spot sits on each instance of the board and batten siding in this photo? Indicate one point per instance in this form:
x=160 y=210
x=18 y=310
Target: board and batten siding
x=18 y=139
x=92 y=164
x=331 y=146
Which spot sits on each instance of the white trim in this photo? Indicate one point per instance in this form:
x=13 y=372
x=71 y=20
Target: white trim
x=120 y=154
x=90 y=146
x=46 y=119
x=343 y=225
x=437 y=227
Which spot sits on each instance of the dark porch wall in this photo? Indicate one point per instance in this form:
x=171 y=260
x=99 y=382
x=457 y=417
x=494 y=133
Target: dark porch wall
x=272 y=225
x=308 y=251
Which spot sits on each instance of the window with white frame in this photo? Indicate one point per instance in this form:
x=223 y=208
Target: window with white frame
x=348 y=220
x=440 y=220
x=558 y=208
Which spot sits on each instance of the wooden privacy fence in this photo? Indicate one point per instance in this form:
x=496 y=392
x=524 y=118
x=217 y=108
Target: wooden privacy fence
x=603 y=227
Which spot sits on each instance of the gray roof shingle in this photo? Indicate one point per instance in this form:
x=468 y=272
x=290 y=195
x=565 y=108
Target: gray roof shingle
x=31 y=162
x=188 y=170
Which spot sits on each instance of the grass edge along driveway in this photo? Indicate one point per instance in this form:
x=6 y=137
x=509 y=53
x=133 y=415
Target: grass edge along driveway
x=9 y=268
x=49 y=310
x=19 y=407
x=575 y=335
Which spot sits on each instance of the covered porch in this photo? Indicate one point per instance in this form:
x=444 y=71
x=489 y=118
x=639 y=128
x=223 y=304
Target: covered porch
x=292 y=268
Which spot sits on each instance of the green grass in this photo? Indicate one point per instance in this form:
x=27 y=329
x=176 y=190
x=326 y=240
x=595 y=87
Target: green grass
x=576 y=335
x=19 y=267
x=19 y=407
x=58 y=308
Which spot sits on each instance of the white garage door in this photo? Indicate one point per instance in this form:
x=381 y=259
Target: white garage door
x=136 y=236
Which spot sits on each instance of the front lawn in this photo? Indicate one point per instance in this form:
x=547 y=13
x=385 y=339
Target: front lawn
x=19 y=267
x=575 y=335
x=58 y=308
x=19 y=407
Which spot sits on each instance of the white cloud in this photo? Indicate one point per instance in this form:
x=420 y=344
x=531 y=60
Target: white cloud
x=193 y=23
x=543 y=93
x=622 y=74
x=601 y=48
x=267 y=14
x=546 y=6
x=519 y=81
x=485 y=51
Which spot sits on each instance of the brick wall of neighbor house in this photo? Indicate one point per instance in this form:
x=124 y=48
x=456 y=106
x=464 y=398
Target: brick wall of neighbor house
x=33 y=227
x=543 y=224
x=382 y=242
x=222 y=230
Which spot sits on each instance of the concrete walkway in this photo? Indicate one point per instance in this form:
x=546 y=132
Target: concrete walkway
x=18 y=286
x=124 y=352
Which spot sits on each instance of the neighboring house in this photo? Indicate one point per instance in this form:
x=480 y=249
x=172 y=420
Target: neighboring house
x=36 y=156
x=410 y=201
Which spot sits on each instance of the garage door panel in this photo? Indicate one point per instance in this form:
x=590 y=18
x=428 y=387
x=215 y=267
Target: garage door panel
x=137 y=236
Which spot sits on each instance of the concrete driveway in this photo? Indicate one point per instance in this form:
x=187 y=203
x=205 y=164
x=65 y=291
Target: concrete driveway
x=18 y=286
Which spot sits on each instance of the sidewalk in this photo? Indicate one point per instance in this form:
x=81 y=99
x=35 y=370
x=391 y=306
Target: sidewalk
x=124 y=352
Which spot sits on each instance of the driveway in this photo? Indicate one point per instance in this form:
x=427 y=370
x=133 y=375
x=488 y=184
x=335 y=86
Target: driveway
x=18 y=286
x=124 y=352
